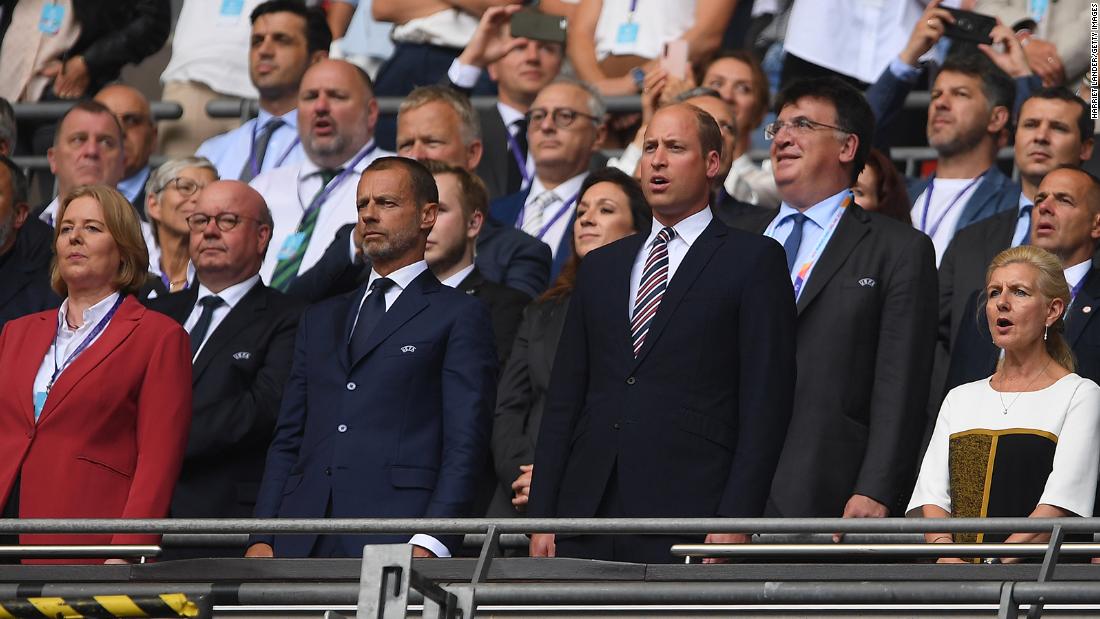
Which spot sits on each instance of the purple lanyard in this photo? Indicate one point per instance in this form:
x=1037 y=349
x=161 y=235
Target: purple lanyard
x=252 y=151
x=517 y=154
x=320 y=198
x=553 y=220
x=96 y=330
x=951 y=205
x=1076 y=289
x=168 y=284
x=633 y=8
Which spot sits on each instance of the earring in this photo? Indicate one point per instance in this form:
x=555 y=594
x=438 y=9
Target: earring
x=1046 y=332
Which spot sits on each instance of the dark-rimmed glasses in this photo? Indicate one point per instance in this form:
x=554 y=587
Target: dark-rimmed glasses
x=562 y=117
x=799 y=126
x=225 y=221
x=185 y=186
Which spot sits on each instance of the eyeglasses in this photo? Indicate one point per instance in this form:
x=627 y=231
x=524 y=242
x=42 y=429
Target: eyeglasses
x=562 y=116
x=225 y=221
x=799 y=126
x=185 y=186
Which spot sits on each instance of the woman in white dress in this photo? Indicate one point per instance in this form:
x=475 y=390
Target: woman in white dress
x=1025 y=441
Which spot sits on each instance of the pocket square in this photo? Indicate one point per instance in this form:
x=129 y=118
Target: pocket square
x=241 y=356
x=408 y=348
x=868 y=282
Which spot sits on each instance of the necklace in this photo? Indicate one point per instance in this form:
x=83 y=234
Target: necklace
x=1005 y=407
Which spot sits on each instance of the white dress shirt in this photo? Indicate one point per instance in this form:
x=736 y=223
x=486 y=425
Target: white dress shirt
x=401 y=279
x=752 y=183
x=568 y=190
x=288 y=191
x=231 y=295
x=456 y=279
x=819 y=218
x=656 y=25
x=229 y=151
x=687 y=230
x=67 y=341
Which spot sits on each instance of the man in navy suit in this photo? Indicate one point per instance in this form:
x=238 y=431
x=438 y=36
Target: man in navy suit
x=565 y=127
x=386 y=412
x=672 y=387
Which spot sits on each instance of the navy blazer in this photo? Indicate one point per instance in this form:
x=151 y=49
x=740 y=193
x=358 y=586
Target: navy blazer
x=401 y=432
x=25 y=273
x=995 y=194
x=507 y=210
x=692 y=426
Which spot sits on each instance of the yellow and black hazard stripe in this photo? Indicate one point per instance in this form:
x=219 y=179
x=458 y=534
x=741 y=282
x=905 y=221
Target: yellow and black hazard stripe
x=164 y=606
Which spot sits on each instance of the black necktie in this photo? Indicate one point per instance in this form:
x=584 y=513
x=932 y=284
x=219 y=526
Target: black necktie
x=198 y=333
x=374 y=308
x=515 y=174
x=794 y=240
x=259 y=149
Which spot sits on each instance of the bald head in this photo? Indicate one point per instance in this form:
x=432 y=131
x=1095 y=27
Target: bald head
x=132 y=110
x=230 y=247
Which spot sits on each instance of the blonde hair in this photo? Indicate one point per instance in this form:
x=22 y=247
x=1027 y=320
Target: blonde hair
x=122 y=224
x=1052 y=285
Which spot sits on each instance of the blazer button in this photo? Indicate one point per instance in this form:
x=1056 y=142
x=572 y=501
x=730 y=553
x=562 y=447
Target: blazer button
x=631 y=381
x=351 y=386
x=616 y=426
x=328 y=471
x=341 y=428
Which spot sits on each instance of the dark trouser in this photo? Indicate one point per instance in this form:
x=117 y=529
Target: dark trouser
x=628 y=548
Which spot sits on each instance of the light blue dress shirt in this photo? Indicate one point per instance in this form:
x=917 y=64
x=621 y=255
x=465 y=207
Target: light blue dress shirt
x=229 y=151
x=819 y=216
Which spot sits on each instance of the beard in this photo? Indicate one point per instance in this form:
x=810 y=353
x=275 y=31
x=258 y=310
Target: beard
x=964 y=140
x=392 y=246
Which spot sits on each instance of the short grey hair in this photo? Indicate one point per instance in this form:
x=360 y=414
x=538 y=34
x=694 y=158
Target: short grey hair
x=469 y=124
x=170 y=169
x=596 y=105
x=8 y=131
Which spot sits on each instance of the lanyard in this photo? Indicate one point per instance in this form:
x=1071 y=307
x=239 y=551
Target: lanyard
x=1076 y=289
x=322 y=195
x=517 y=154
x=252 y=151
x=633 y=9
x=168 y=283
x=951 y=205
x=553 y=220
x=96 y=330
x=804 y=270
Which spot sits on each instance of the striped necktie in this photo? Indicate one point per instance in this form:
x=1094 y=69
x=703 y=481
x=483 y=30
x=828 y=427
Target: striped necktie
x=652 y=288
x=259 y=149
x=287 y=268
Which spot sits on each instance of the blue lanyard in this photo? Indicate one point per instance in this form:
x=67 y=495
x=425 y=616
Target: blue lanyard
x=323 y=195
x=517 y=154
x=252 y=151
x=951 y=205
x=96 y=330
x=546 y=228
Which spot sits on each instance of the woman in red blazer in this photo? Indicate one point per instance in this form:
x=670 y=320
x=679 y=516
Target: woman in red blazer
x=95 y=397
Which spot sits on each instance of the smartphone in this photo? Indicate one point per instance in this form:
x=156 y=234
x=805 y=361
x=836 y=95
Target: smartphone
x=674 y=58
x=538 y=26
x=970 y=26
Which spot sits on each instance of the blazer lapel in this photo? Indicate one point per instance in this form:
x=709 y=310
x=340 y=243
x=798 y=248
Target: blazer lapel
x=121 y=326
x=409 y=303
x=1084 y=306
x=852 y=228
x=619 y=279
x=41 y=334
x=694 y=261
x=238 y=318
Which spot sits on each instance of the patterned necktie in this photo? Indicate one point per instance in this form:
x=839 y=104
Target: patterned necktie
x=374 y=308
x=198 y=332
x=534 y=214
x=287 y=268
x=1025 y=214
x=259 y=149
x=794 y=240
x=515 y=174
x=652 y=288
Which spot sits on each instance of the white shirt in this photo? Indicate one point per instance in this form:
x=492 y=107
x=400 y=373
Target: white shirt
x=456 y=279
x=948 y=201
x=656 y=21
x=568 y=190
x=229 y=151
x=447 y=28
x=401 y=279
x=68 y=340
x=819 y=217
x=210 y=46
x=687 y=230
x=231 y=295
x=1077 y=272
x=288 y=191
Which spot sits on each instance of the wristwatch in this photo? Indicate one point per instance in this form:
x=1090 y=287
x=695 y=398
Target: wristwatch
x=639 y=78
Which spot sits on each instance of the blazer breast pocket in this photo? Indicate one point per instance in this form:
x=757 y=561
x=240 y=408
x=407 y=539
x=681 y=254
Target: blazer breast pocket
x=406 y=349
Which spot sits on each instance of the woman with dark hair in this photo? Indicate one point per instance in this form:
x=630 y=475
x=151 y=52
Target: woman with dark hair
x=611 y=207
x=881 y=189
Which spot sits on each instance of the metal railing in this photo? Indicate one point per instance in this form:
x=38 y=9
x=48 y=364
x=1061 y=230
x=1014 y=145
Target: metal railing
x=53 y=110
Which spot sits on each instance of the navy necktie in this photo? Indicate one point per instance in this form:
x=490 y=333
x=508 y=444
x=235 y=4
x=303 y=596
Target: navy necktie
x=794 y=240
x=1026 y=214
x=374 y=308
x=198 y=332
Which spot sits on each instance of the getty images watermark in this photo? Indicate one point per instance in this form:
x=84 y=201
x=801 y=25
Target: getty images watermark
x=1094 y=43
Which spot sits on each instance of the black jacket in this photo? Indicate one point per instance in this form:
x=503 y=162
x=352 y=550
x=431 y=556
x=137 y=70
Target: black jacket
x=25 y=273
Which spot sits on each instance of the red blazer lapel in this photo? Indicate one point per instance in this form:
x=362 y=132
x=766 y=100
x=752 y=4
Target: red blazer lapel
x=121 y=326
x=40 y=334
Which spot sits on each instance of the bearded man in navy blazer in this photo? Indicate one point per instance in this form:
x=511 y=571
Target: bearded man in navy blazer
x=673 y=381
x=386 y=413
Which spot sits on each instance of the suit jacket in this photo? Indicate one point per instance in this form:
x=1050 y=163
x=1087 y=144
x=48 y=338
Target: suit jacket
x=237 y=383
x=866 y=332
x=507 y=210
x=496 y=158
x=25 y=273
x=111 y=435
x=693 y=425
x=505 y=309
x=400 y=432
x=504 y=255
x=975 y=357
x=521 y=396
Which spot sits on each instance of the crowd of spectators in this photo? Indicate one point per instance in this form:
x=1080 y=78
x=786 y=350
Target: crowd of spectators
x=535 y=306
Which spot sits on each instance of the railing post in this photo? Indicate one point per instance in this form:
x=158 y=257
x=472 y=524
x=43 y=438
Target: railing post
x=489 y=549
x=1009 y=608
x=1050 y=561
x=384 y=581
